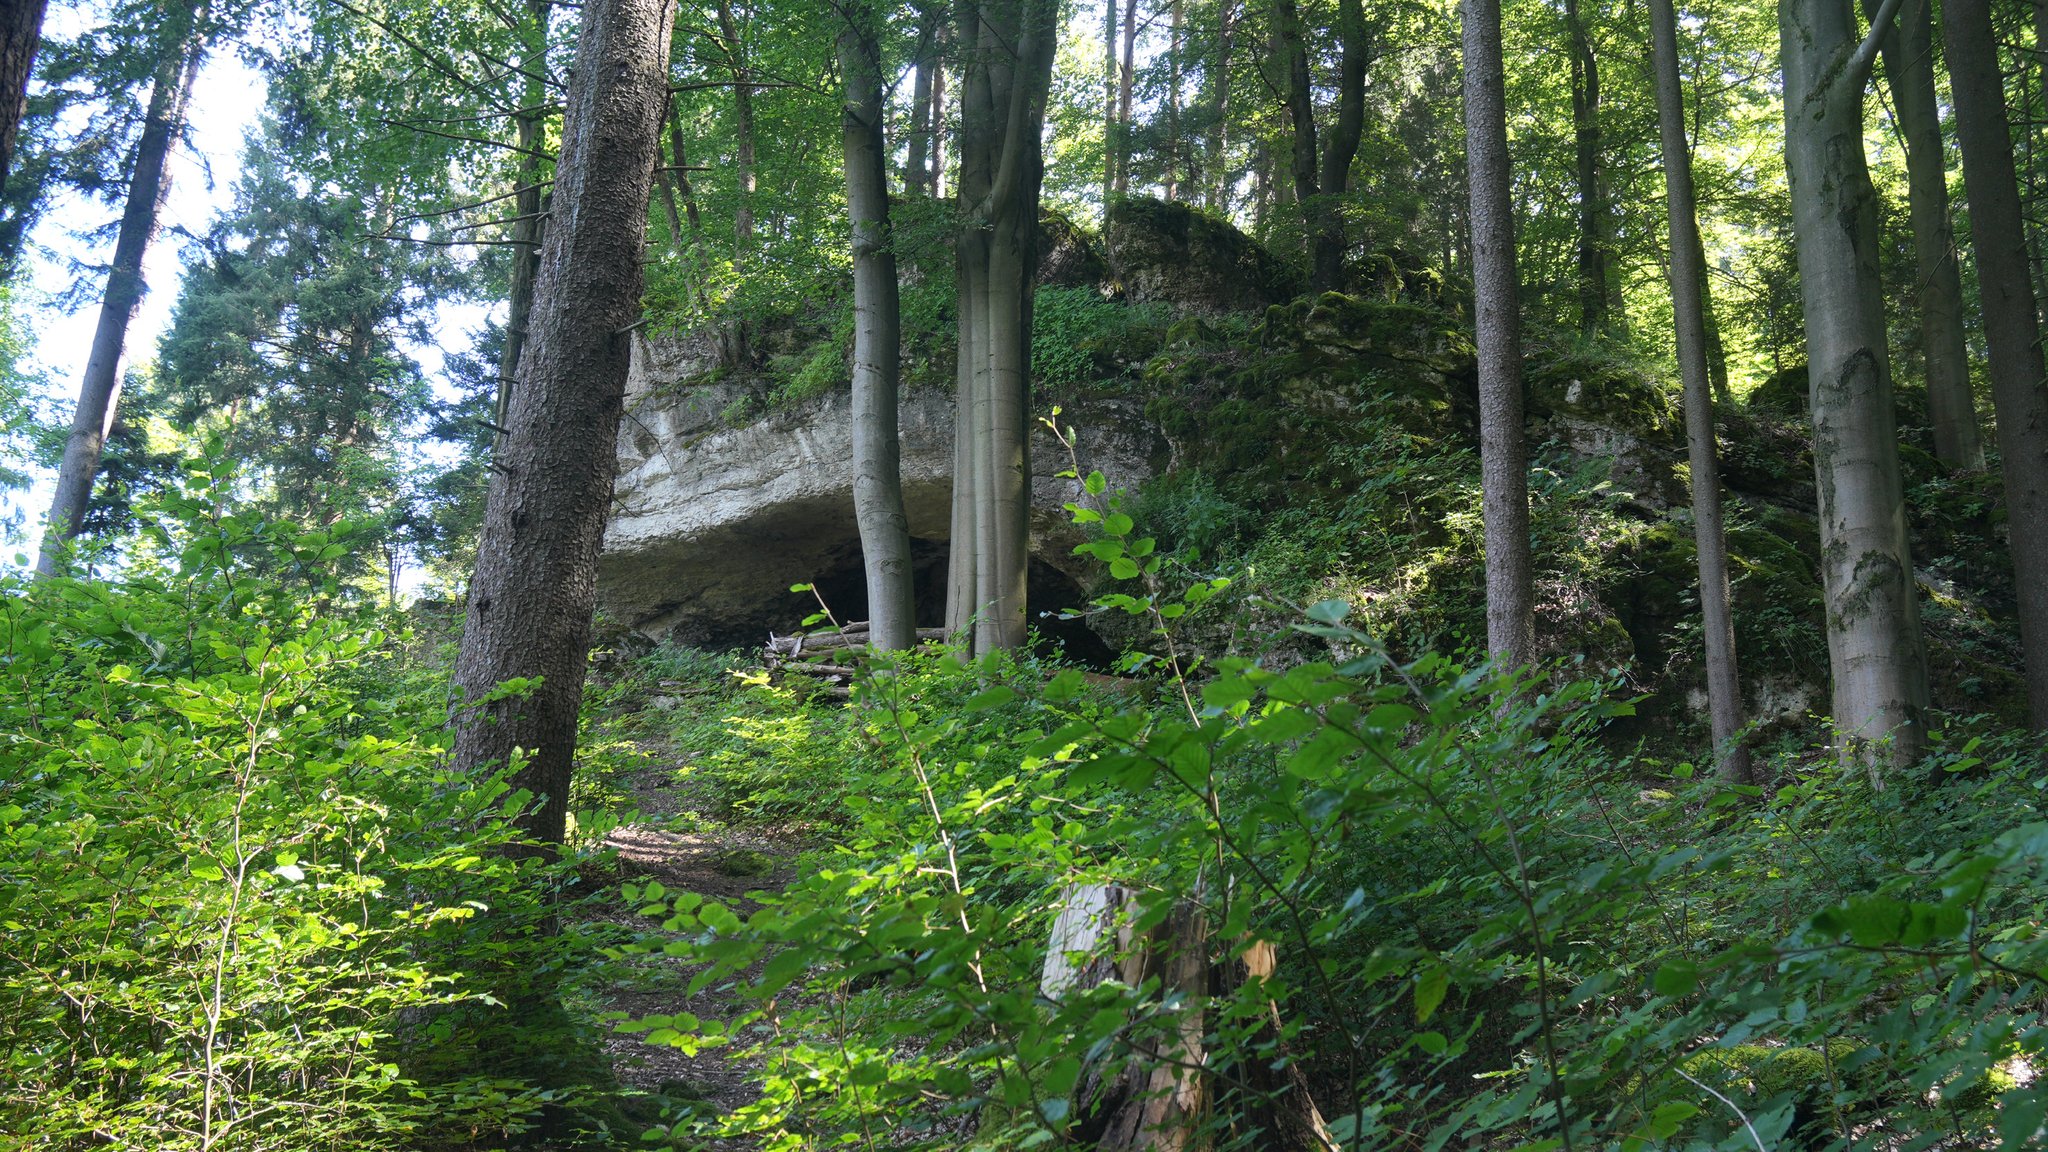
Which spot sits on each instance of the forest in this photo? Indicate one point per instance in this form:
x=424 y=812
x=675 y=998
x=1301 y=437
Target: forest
x=1183 y=575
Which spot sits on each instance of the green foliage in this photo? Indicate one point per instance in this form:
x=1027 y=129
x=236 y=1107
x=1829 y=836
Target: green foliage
x=245 y=902
x=1083 y=342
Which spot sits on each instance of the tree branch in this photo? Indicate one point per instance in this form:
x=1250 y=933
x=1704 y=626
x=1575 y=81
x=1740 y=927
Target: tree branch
x=1857 y=72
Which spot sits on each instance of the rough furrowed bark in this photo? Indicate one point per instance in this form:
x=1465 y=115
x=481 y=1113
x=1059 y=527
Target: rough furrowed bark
x=877 y=339
x=1873 y=616
x=534 y=587
x=1688 y=278
x=99 y=390
x=2011 y=325
x=1503 y=447
x=1909 y=72
x=21 y=31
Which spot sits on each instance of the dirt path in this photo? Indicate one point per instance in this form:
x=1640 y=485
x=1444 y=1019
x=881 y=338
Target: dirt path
x=723 y=865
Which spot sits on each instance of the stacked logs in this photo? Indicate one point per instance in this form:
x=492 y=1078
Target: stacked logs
x=828 y=658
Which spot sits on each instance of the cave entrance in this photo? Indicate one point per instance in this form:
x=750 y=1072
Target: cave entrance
x=1048 y=593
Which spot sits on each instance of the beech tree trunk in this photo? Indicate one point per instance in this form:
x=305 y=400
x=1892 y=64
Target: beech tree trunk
x=21 y=30
x=1908 y=53
x=1497 y=325
x=1592 y=255
x=99 y=391
x=1300 y=95
x=1688 y=276
x=1008 y=70
x=534 y=587
x=2011 y=325
x=877 y=338
x=1875 y=650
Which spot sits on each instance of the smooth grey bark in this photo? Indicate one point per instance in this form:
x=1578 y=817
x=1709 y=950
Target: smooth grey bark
x=534 y=586
x=1875 y=650
x=1008 y=46
x=1592 y=240
x=1908 y=54
x=1688 y=276
x=2012 y=329
x=1497 y=324
x=527 y=210
x=21 y=31
x=877 y=339
x=918 y=148
x=99 y=391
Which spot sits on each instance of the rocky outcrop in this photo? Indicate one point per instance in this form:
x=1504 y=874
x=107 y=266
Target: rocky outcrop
x=1170 y=253
x=716 y=513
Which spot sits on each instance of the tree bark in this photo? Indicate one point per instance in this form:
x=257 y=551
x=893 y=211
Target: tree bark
x=21 y=30
x=1300 y=95
x=877 y=339
x=918 y=149
x=1175 y=148
x=1110 y=91
x=2011 y=326
x=1126 y=81
x=743 y=123
x=1216 y=177
x=1688 y=276
x=1004 y=87
x=1340 y=148
x=1497 y=324
x=1592 y=247
x=1873 y=615
x=534 y=587
x=1908 y=53
x=99 y=391
x=678 y=148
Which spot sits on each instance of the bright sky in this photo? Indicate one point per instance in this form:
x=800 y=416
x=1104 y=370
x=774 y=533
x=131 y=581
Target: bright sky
x=204 y=169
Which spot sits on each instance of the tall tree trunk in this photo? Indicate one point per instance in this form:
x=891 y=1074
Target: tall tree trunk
x=2011 y=326
x=1109 y=104
x=1497 y=324
x=21 y=30
x=531 y=124
x=99 y=391
x=1908 y=54
x=1003 y=93
x=877 y=338
x=1873 y=611
x=936 y=185
x=743 y=123
x=1175 y=148
x=1127 y=77
x=1300 y=95
x=918 y=149
x=531 y=596
x=1216 y=149
x=1592 y=247
x=1340 y=148
x=1688 y=276
x=1717 y=352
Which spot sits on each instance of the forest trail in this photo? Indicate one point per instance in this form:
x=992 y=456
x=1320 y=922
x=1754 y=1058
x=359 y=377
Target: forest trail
x=718 y=862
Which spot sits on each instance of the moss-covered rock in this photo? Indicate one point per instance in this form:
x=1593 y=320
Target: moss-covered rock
x=1784 y=392
x=1160 y=251
x=1068 y=256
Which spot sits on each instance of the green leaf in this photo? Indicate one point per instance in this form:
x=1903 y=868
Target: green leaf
x=1329 y=611
x=1676 y=978
x=988 y=698
x=1430 y=987
x=1095 y=484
